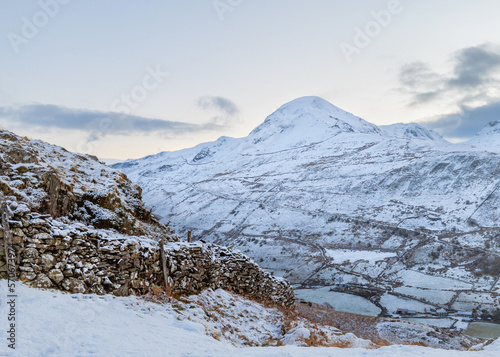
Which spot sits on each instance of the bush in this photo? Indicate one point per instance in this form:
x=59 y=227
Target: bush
x=434 y=255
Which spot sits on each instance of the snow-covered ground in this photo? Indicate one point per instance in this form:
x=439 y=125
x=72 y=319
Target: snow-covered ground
x=392 y=303
x=415 y=278
x=343 y=255
x=468 y=301
x=436 y=296
x=53 y=324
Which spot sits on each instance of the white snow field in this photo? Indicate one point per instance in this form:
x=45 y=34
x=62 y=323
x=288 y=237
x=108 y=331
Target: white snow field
x=51 y=323
x=392 y=303
x=343 y=255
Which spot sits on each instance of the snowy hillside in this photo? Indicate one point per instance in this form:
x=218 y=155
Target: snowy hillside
x=313 y=181
x=131 y=326
x=51 y=180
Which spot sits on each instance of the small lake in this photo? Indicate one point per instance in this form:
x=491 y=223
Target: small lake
x=483 y=330
x=442 y=323
x=338 y=301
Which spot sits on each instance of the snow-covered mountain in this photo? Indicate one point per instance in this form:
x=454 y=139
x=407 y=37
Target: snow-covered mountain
x=314 y=121
x=314 y=183
x=487 y=139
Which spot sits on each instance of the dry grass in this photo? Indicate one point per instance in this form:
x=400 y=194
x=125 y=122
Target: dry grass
x=314 y=317
x=289 y=319
x=360 y=325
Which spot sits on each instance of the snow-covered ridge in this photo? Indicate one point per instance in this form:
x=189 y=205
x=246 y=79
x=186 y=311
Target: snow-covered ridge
x=411 y=131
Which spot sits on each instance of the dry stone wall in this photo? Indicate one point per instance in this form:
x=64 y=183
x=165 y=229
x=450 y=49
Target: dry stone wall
x=53 y=253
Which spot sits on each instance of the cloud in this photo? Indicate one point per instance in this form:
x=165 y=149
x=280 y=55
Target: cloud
x=96 y=124
x=471 y=90
x=465 y=123
x=474 y=71
x=225 y=110
x=419 y=81
x=474 y=66
x=417 y=74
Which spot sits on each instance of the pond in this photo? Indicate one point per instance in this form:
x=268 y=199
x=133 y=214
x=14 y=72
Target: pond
x=442 y=323
x=338 y=301
x=483 y=330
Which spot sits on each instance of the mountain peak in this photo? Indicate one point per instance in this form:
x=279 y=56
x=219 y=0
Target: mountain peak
x=487 y=139
x=308 y=120
x=307 y=103
x=493 y=127
x=313 y=105
x=489 y=130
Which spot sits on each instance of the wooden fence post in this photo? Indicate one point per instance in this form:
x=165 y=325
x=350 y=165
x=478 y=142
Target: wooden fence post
x=164 y=264
x=189 y=236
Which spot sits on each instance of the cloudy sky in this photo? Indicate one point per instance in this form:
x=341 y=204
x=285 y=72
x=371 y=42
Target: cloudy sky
x=124 y=79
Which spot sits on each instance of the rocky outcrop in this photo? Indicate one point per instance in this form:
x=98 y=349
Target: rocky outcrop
x=51 y=180
x=81 y=259
x=58 y=202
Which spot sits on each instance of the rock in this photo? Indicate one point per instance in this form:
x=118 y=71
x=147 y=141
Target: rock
x=122 y=290
x=139 y=284
x=68 y=272
x=42 y=236
x=74 y=285
x=30 y=253
x=97 y=289
x=17 y=232
x=107 y=283
x=17 y=240
x=48 y=261
x=27 y=276
x=42 y=281
x=56 y=276
x=91 y=279
x=26 y=268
